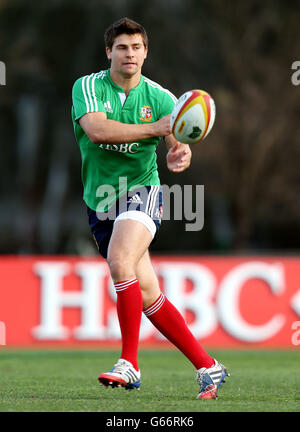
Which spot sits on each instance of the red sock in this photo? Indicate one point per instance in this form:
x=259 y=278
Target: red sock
x=129 y=308
x=167 y=319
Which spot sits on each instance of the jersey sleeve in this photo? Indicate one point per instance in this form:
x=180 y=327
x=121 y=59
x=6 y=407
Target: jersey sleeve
x=167 y=103
x=86 y=97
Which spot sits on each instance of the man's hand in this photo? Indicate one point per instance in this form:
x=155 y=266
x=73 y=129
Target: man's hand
x=179 y=157
x=162 y=126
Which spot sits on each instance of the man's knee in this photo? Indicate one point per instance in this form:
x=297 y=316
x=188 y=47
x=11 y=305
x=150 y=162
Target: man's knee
x=120 y=268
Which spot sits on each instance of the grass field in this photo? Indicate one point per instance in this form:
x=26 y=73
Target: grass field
x=65 y=380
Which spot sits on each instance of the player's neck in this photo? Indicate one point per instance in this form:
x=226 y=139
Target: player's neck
x=127 y=83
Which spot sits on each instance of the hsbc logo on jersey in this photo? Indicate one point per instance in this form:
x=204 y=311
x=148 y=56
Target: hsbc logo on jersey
x=121 y=148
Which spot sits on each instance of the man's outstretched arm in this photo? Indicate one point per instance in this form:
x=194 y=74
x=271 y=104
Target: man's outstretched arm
x=100 y=129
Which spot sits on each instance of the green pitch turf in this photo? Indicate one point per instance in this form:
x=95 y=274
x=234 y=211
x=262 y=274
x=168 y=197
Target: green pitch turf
x=67 y=381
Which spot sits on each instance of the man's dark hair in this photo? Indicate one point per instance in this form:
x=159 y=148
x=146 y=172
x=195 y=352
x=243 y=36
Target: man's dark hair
x=124 y=26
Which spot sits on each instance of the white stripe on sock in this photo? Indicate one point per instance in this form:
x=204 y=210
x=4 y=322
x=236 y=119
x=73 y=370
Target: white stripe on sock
x=156 y=306
x=123 y=286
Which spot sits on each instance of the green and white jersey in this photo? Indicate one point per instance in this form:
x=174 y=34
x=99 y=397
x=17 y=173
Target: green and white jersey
x=104 y=164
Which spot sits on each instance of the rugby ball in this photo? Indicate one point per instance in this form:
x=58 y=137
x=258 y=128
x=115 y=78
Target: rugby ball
x=193 y=116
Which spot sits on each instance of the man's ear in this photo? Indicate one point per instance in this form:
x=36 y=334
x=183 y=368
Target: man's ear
x=108 y=53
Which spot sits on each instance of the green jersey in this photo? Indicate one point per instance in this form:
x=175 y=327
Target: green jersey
x=105 y=164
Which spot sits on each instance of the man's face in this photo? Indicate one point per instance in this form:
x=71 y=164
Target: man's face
x=127 y=54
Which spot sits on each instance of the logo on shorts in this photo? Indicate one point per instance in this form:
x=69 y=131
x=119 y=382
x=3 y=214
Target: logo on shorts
x=146 y=113
x=135 y=199
x=159 y=212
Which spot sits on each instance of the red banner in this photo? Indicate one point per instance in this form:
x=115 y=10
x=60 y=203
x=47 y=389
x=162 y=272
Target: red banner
x=227 y=301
